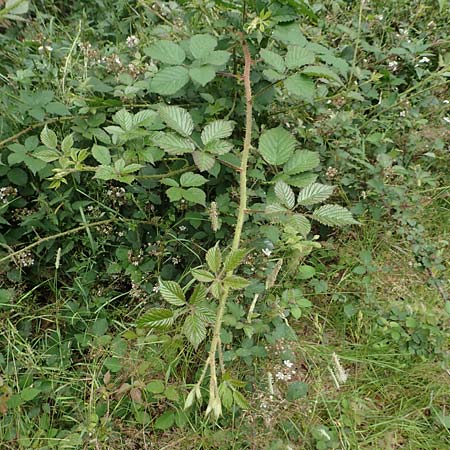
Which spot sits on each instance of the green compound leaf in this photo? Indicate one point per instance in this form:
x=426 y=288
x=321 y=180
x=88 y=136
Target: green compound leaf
x=273 y=59
x=321 y=72
x=190 y=179
x=214 y=258
x=101 y=154
x=203 y=161
x=314 y=193
x=178 y=119
x=285 y=194
x=48 y=138
x=171 y=292
x=276 y=146
x=174 y=144
x=195 y=195
x=194 y=328
x=167 y=52
x=202 y=75
x=301 y=161
x=169 y=80
x=301 y=86
x=219 y=129
x=297 y=56
x=159 y=318
x=201 y=45
x=334 y=216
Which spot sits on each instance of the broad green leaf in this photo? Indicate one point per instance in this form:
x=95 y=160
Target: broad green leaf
x=165 y=421
x=306 y=272
x=144 y=117
x=285 y=194
x=195 y=195
x=167 y=52
x=202 y=275
x=203 y=160
x=214 y=258
x=194 y=328
x=334 y=215
x=276 y=146
x=130 y=168
x=198 y=295
x=240 y=400
x=175 y=194
x=273 y=59
x=301 y=86
x=190 y=179
x=171 y=292
x=101 y=154
x=17 y=176
x=216 y=58
x=47 y=155
x=105 y=173
x=297 y=56
x=219 y=147
x=296 y=390
x=201 y=45
x=321 y=72
x=16 y=7
x=234 y=259
x=302 y=180
x=155 y=387
x=272 y=75
x=29 y=393
x=290 y=34
x=99 y=327
x=235 y=282
x=48 y=138
x=67 y=143
x=219 y=129
x=301 y=161
x=124 y=119
x=174 y=144
x=300 y=223
x=314 y=193
x=275 y=209
x=202 y=75
x=178 y=119
x=169 y=80
x=158 y=318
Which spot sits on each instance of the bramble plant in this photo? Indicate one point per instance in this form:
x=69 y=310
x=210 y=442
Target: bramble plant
x=171 y=179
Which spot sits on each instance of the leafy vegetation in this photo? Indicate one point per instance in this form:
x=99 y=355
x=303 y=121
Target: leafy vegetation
x=223 y=225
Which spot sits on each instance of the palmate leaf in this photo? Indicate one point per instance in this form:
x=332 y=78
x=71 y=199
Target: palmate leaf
x=301 y=161
x=167 y=52
x=273 y=59
x=194 y=328
x=178 y=119
x=298 y=56
x=301 y=86
x=201 y=45
x=322 y=72
x=285 y=194
x=219 y=129
x=276 y=145
x=334 y=215
x=159 y=318
x=169 y=80
x=314 y=193
x=172 y=293
x=214 y=258
x=174 y=144
x=203 y=160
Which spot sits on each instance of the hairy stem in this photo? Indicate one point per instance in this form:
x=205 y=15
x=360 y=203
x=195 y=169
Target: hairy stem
x=215 y=342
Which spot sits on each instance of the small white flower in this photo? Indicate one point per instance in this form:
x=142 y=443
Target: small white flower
x=446 y=102
x=132 y=41
x=402 y=114
x=155 y=288
x=380 y=17
x=447 y=119
x=267 y=252
x=45 y=48
x=393 y=65
x=279 y=376
x=424 y=60
x=288 y=363
x=182 y=228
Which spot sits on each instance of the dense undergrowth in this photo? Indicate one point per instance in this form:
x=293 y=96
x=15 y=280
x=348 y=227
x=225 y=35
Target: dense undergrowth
x=122 y=136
